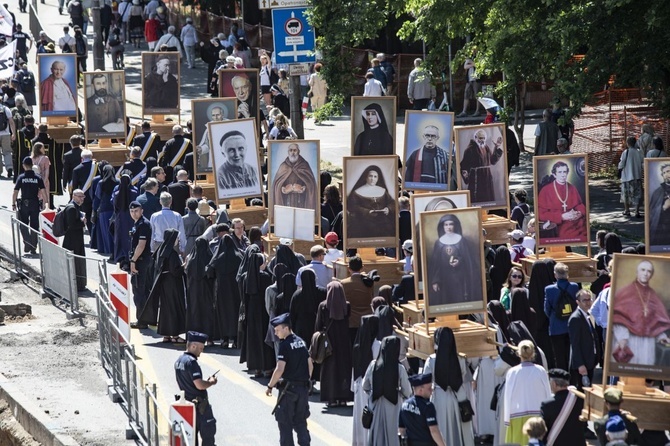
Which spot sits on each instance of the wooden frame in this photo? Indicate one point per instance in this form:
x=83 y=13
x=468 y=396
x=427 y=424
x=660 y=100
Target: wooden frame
x=415 y=124
x=248 y=104
x=247 y=127
x=159 y=99
x=310 y=151
x=626 y=272
x=116 y=84
x=487 y=195
x=427 y=202
x=457 y=267
x=201 y=114
x=386 y=105
x=45 y=62
x=577 y=177
x=655 y=196
x=371 y=229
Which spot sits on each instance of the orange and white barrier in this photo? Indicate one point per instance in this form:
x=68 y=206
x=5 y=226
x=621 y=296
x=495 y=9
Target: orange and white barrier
x=182 y=417
x=46 y=225
x=119 y=295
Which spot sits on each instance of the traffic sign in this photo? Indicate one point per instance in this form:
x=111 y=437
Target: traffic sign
x=293 y=36
x=272 y=4
x=298 y=69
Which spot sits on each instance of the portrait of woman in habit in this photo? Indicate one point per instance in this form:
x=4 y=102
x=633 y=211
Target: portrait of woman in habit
x=371 y=208
x=452 y=267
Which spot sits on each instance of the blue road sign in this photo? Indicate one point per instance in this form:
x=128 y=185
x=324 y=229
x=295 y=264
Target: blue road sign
x=293 y=36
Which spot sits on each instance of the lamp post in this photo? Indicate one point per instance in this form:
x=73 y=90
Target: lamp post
x=98 y=47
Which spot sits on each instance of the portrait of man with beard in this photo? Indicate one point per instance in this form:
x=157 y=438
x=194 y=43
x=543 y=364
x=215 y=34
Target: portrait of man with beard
x=294 y=181
x=481 y=160
x=104 y=110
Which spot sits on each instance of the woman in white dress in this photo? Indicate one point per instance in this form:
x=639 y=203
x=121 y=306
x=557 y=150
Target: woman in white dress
x=366 y=349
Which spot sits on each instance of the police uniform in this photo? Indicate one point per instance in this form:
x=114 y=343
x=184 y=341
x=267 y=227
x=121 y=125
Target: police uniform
x=418 y=414
x=141 y=230
x=292 y=408
x=187 y=370
x=28 y=206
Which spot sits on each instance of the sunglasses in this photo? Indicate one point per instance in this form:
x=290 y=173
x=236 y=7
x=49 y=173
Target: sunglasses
x=516 y=276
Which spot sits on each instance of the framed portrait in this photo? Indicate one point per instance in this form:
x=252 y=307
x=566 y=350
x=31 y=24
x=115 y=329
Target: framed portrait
x=202 y=112
x=370 y=203
x=638 y=328
x=454 y=281
x=373 y=125
x=293 y=176
x=58 y=84
x=427 y=202
x=236 y=162
x=562 y=199
x=160 y=83
x=656 y=217
x=243 y=85
x=105 y=106
x=481 y=157
x=428 y=136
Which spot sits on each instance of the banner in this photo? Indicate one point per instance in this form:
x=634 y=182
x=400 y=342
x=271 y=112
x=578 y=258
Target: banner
x=6 y=22
x=7 y=61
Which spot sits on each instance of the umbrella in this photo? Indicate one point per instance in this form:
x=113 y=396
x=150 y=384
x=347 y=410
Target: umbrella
x=488 y=103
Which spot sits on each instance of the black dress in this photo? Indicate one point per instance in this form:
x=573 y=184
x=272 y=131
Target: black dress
x=336 y=369
x=200 y=299
x=224 y=266
x=304 y=304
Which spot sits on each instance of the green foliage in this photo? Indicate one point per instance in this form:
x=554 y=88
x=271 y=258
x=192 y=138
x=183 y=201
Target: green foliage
x=330 y=108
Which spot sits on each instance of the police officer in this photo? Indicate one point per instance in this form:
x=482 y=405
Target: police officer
x=191 y=382
x=418 y=421
x=294 y=368
x=33 y=199
x=140 y=259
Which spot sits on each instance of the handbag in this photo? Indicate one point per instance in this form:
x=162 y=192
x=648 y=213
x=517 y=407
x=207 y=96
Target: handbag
x=495 y=398
x=466 y=411
x=320 y=347
x=624 y=354
x=366 y=417
x=619 y=171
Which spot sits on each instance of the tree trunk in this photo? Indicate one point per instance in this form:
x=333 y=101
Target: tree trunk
x=520 y=112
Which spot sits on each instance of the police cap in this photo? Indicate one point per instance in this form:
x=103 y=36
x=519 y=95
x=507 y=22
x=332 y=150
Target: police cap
x=134 y=205
x=194 y=336
x=420 y=379
x=282 y=319
x=27 y=161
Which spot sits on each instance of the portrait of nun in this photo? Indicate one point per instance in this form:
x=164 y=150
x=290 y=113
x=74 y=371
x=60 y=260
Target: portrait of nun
x=372 y=210
x=375 y=139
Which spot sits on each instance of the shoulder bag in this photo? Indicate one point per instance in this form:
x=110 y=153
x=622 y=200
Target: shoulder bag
x=366 y=417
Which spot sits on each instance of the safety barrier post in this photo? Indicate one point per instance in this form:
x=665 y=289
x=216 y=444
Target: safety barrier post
x=72 y=281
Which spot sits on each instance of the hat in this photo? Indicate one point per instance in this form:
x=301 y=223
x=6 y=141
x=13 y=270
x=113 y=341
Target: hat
x=285 y=241
x=28 y=161
x=230 y=59
x=420 y=379
x=134 y=205
x=408 y=246
x=615 y=424
x=559 y=374
x=282 y=319
x=204 y=208
x=517 y=234
x=613 y=395
x=50 y=46
x=332 y=238
x=194 y=336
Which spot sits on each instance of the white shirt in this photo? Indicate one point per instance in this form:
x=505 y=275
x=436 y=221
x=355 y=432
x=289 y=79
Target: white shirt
x=373 y=88
x=332 y=255
x=188 y=35
x=67 y=39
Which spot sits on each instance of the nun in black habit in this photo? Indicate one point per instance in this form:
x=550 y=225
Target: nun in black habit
x=271 y=294
x=200 y=300
x=166 y=305
x=253 y=279
x=304 y=303
x=286 y=256
x=224 y=266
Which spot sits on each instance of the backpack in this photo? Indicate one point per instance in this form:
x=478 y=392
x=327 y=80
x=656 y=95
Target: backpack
x=27 y=82
x=114 y=40
x=81 y=46
x=320 y=347
x=59 y=226
x=66 y=48
x=284 y=134
x=4 y=120
x=519 y=253
x=565 y=304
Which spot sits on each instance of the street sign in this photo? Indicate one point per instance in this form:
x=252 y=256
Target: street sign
x=272 y=4
x=298 y=69
x=293 y=36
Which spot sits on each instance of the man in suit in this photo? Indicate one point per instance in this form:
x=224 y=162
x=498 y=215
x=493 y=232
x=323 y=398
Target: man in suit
x=584 y=342
x=613 y=399
x=404 y=223
x=82 y=178
x=149 y=142
x=135 y=166
x=571 y=432
x=174 y=151
x=180 y=191
x=359 y=295
x=71 y=159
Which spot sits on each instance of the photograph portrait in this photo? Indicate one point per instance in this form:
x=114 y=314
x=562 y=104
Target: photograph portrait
x=482 y=169
x=243 y=85
x=453 y=278
x=293 y=175
x=370 y=203
x=58 y=84
x=427 y=202
x=160 y=83
x=657 y=205
x=105 y=110
x=202 y=112
x=236 y=160
x=638 y=329
x=427 y=152
x=373 y=125
x=561 y=188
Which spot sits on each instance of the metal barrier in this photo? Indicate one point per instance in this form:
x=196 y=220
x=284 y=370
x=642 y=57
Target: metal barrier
x=59 y=282
x=17 y=248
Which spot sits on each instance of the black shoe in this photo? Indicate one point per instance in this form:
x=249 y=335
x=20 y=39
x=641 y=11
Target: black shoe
x=138 y=326
x=589 y=434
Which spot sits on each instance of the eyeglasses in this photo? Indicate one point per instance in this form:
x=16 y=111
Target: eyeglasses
x=516 y=276
x=430 y=136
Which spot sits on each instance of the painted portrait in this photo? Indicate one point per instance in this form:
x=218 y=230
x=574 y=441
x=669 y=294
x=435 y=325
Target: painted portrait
x=105 y=109
x=236 y=161
x=428 y=148
x=638 y=329
x=453 y=279
x=427 y=202
x=293 y=175
x=202 y=112
x=243 y=85
x=160 y=83
x=562 y=203
x=657 y=205
x=58 y=84
x=373 y=125
x=482 y=164
x=370 y=204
